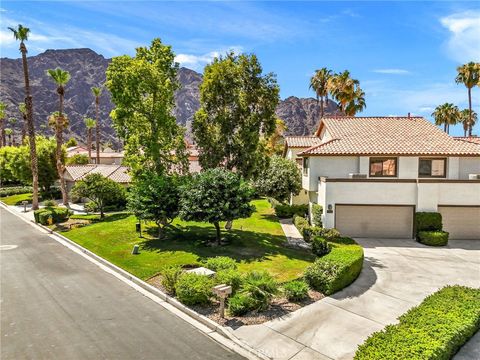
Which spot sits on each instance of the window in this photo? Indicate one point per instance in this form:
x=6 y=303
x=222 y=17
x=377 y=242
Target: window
x=383 y=167
x=305 y=166
x=432 y=167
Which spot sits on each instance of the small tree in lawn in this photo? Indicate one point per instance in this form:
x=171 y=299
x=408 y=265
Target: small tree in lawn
x=100 y=190
x=216 y=195
x=281 y=179
x=155 y=198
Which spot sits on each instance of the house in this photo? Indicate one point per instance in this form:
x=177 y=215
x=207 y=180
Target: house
x=117 y=173
x=107 y=157
x=371 y=174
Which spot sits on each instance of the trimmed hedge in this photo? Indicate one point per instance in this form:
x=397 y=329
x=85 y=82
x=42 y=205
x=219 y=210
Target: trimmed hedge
x=317 y=211
x=428 y=221
x=338 y=269
x=433 y=238
x=288 y=211
x=193 y=289
x=300 y=223
x=15 y=190
x=56 y=214
x=435 y=329
x=320 y=246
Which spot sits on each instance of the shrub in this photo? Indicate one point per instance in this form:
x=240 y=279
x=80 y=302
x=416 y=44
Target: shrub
x=435 y=329
x=53 y=192
x=296 y=290
x=193 y=289
x=433 y=238
x=300 y=223
x=260 y=286
x=170 y=277
x=338 y=269
x=320 y=246
x=50 y=203
x=428 y=221
x=331 y=234
x=90 y=207
x=287 y=211
x=317 y=211
x=310 y=232
x=220 y=263
x=230 y=277
x=15 y=190
x=239 y=304
x=56 y=214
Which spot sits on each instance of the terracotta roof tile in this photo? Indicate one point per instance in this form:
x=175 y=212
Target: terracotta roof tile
x=302 y=141
x=115 y=172
x=471 y=139
x=388 y=136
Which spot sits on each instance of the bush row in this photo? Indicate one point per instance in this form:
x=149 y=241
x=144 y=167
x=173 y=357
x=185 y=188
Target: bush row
x=15 y=190
x=51 y=215
x=435 y=329
x=338 y=269
x=433 y=238
x=288 y=211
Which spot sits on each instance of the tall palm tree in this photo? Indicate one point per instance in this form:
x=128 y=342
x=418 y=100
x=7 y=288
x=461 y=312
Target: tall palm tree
x=357 y=104
x=319 y=83
x=343 y=89
x=469 y=75
x=60 y=78
x=90 y=124
x=12 y=122
x=446 y=115
x=466 y=121
x=21 y=33
x=23 y=110
x=3 y=141
x=97 y=92
x=9 y=133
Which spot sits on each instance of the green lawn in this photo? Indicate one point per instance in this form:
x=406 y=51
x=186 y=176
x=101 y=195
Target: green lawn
x=256 y=242
x=16 y=199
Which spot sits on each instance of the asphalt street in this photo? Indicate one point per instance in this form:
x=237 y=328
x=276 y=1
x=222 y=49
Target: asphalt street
x=55 y=304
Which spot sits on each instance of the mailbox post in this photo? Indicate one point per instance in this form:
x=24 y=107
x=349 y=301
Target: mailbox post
x=222 y=291
x=24 y=203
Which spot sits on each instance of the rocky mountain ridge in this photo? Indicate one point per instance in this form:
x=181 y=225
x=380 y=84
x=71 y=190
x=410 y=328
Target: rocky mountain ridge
x=87 y=69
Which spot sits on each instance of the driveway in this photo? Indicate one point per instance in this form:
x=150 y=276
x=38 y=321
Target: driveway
x=56 y=304
x=397 y=274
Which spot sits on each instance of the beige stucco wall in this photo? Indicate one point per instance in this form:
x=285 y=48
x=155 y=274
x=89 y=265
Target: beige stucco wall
x=328 y=166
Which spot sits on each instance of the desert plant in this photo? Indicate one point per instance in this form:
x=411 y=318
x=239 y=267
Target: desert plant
x=239 y=304
x=296 y=290
x=230 y=277
x=170 y=277
x=260 y=286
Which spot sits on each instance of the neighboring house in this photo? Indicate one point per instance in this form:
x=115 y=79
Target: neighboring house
x=371 y=174
x=193 y=163
x=117 y=173
x=107 y=157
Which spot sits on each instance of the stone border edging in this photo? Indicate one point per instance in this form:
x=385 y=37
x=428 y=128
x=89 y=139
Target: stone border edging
x=210 y=324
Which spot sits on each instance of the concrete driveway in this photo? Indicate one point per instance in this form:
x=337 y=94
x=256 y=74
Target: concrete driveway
x=397 y=274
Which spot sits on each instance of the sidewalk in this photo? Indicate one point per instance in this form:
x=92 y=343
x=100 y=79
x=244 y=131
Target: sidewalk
x=294 y=238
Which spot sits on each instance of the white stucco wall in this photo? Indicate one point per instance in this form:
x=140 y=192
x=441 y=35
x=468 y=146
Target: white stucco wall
x=328 y=166
x=468 y=165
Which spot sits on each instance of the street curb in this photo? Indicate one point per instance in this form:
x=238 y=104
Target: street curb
x=210 y=324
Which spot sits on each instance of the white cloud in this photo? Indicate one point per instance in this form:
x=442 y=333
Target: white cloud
x=197 y=62
x=463 y=44
x=392 y=71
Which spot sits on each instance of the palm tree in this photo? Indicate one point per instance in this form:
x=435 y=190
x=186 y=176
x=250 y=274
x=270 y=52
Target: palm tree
x=446 y=115
x=90 y=124
x=3 y=141
x=466 y=121
x=9 y=133
x=12 y=122
x=97 y=92
x=319 y=83
x=23 y=110
x=469 y=75
x=343 y=89
x=357 y=104
x=60 y=78
x=21 y=33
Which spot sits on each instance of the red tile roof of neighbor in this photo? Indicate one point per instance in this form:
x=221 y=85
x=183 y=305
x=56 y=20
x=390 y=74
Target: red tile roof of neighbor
x=388 y=136
x=115 y=172
x=472 y=139
x=302 y=141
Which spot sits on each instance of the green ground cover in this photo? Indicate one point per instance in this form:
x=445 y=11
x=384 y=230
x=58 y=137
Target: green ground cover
x=16 y=199
x=257 y=243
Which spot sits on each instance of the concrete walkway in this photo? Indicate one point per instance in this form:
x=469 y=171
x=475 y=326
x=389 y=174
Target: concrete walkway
x=294 y=238
x=397 y=275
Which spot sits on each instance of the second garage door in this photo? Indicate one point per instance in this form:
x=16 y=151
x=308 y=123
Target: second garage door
x=375 y=221
x=462 y=222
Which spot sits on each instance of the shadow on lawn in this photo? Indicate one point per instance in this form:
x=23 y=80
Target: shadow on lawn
x=240 y=245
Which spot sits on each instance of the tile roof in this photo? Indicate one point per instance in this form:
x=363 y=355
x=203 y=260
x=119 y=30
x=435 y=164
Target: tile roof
x=471 y=139
x=117 y=173
x=302 y=141
x=388 y=136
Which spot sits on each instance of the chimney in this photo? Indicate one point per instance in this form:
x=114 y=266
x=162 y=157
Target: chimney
x=408 y=115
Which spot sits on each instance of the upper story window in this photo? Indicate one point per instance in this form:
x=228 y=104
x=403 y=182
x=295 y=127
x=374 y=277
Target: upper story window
x=383 y=167
x=432 y=167
x=305 y=166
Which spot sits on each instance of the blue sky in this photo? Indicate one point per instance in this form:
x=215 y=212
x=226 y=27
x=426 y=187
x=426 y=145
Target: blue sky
x=404 y=53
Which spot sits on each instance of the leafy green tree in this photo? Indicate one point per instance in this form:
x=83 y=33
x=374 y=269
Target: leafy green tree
x=21 y=33
x=446 y=114
x=469 y=75
x=97 y=92
x=155 y=198
x=59 y=121
x=142 y=89
x=237 y=108
x=467 y=120
x=216 y=195
x=100 y=190
x=90 y=124
x=275 y=142
x=71 y=142
x=280 y=180
x=320 y=83
x=77 y=159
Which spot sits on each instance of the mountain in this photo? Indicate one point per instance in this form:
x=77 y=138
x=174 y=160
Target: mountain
x=87 y=69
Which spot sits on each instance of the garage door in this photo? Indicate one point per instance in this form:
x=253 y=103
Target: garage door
x=375 y=221
x=461 y=222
